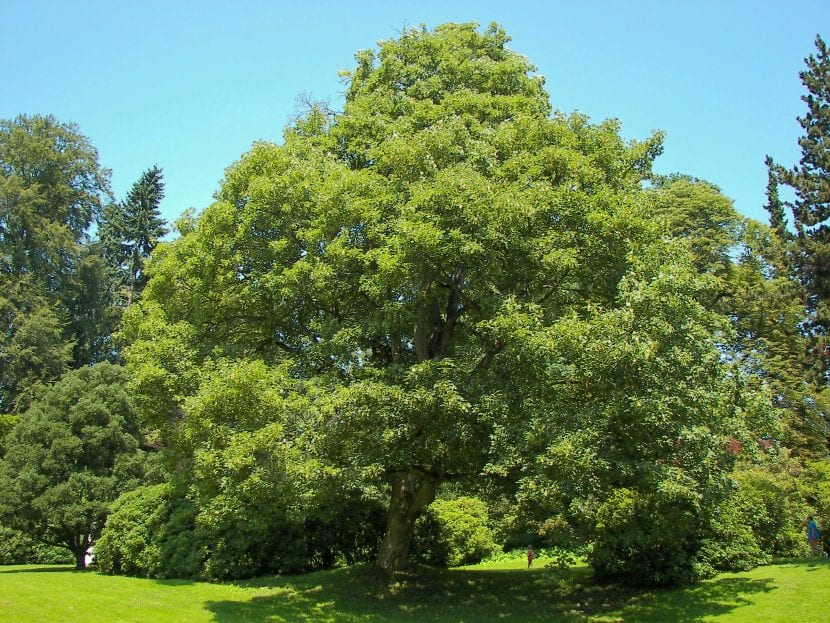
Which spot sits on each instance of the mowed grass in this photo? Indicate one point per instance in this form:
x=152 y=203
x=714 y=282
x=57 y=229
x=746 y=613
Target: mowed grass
x=505 y=591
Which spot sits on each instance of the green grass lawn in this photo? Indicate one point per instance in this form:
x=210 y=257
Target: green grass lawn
x=797 y=591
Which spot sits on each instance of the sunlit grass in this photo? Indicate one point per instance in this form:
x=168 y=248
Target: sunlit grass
x=499 y=591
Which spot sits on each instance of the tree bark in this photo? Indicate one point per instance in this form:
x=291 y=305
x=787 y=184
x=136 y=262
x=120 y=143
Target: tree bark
x=411 y=491
x=79 y=547
x=80 y=560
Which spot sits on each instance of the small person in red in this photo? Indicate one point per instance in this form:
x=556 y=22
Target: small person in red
x=530 y=555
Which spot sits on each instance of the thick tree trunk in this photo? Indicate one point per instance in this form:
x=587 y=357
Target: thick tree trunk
x=80 y=560
x=79 y=546
x=411 y=491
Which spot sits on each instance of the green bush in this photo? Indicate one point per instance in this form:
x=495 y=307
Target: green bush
x=150 y=533
x=17 y=548
x=647 y=538
x=154 y=531
x=773 y=509
x=454 y=532
x=730 y=544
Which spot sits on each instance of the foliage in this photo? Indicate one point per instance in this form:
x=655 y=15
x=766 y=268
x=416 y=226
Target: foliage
x=51 y=190
x=34 y=350
x=18 y=548
x=454 y=532
x=256 y=501
x=638 y=456
x=804 y=261
x=149 y=533
x=815 y=491
x=698 y=213
x=810 y=182
x=157 y=532
x=402 y=264
x=7 y=422
x=130 y=230
x=71 y=454
x=647 y=539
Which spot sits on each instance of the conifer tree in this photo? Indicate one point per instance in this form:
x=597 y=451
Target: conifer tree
x=810 y=182
x=131 y=230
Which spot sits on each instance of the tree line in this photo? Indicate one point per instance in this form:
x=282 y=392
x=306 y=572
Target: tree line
x=445 y=319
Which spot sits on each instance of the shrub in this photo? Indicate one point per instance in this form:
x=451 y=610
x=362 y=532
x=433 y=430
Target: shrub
x=454 y=532
x=730 y=544
x=647 y=538
x=773 y=509
x=17 y=548
x=155 y=531
x=150 y=533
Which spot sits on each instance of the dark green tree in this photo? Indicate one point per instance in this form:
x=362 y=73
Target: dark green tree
x=131 y=230
x=34 y=350
x=810 y=182
x=51 y=190
x=69 y=457
x=774 y=205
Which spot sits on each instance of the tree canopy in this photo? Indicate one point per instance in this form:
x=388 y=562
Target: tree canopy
x=432 y=267
x=51 y=190
x=447 y=300
x=73 y=452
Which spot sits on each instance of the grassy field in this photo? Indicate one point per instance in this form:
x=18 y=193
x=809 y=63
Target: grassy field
x=796 y=591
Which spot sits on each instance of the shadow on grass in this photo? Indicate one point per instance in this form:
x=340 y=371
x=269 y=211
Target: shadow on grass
x=41 y=569
x=365 y=594
x=811 y=564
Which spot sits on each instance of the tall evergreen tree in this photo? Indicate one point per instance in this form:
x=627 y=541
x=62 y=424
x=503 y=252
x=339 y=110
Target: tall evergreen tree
x=131 y=230
x=775 y=207
x=810 y=181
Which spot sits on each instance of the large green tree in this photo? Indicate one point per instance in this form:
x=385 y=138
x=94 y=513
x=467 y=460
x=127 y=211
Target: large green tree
x=806 y=259
x=419 y=266
x=51 y=190
x=69 y=457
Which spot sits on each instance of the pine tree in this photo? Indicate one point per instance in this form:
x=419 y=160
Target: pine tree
x=131 y=230
x=810 y=182
x=144 y=224
x=775 y=207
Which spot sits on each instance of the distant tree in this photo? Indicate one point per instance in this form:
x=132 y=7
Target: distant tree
x=69 y=457
x=131 y=230
x=51 y=190
x=697 y=213
x=774 y=205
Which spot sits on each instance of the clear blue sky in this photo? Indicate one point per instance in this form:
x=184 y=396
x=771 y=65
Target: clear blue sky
x=189 y=85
